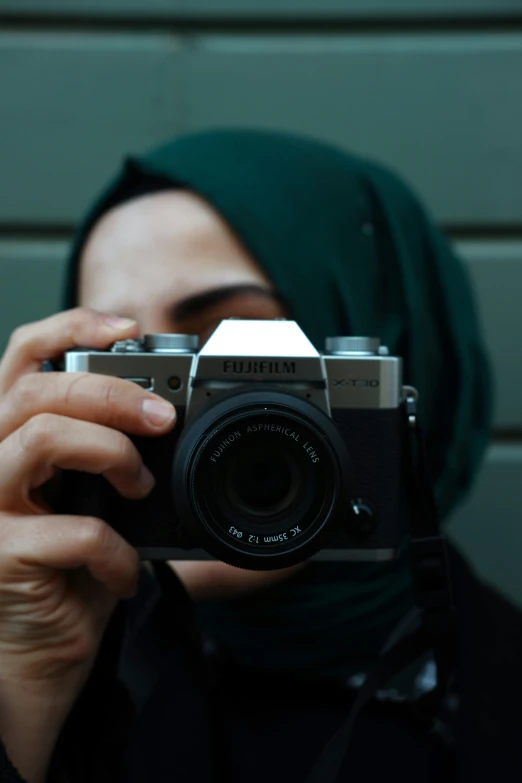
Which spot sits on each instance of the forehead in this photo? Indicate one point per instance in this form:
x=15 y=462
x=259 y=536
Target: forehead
x=163 y=246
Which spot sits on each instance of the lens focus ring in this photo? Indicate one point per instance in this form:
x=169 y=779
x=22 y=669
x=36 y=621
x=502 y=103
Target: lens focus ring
x=261 y=475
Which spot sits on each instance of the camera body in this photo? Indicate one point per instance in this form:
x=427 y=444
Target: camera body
x=280 y=453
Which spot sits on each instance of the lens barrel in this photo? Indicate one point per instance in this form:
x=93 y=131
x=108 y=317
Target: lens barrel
x=260 y=478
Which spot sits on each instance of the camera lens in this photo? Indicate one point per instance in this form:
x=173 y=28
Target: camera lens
x=262 y=482
x=260 y=477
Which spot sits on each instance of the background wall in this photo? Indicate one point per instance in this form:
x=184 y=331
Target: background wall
x=432 y=87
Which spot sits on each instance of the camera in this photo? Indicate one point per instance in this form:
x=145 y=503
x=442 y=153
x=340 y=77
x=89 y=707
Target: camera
x=280 y=453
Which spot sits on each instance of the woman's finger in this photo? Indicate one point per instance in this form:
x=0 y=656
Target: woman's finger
x=66 y=542
x=33 y=343
x=31 y=455
x=101 y=399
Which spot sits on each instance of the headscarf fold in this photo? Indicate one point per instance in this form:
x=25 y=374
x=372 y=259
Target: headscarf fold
x=352 y=251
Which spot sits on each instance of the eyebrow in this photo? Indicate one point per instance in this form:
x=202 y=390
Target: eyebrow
x=195 y=305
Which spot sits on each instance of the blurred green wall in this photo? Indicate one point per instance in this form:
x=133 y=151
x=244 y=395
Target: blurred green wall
x=431 y=87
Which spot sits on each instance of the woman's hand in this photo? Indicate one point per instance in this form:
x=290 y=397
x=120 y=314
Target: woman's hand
x=61 y=576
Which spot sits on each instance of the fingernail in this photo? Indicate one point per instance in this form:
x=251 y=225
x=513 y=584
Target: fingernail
x=157 y=412
x=119 y=324
x=146 y=480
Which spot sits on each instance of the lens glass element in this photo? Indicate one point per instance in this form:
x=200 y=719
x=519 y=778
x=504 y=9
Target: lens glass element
x=263 y=480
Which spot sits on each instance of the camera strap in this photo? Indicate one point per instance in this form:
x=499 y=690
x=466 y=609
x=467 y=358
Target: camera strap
x=433 y=598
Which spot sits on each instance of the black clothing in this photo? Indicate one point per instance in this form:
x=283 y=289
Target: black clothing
x=252 y=727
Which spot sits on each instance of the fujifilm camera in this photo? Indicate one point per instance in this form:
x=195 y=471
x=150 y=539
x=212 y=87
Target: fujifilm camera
x=280 y=453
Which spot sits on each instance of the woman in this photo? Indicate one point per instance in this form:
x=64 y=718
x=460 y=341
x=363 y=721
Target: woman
x=212 y=226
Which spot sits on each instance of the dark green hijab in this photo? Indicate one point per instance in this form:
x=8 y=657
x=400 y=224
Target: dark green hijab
x=351 y=251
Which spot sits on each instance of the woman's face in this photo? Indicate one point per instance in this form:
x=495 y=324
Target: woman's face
x=170 y=262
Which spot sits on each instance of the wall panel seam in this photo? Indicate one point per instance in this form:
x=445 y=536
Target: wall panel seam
x=391 y=25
